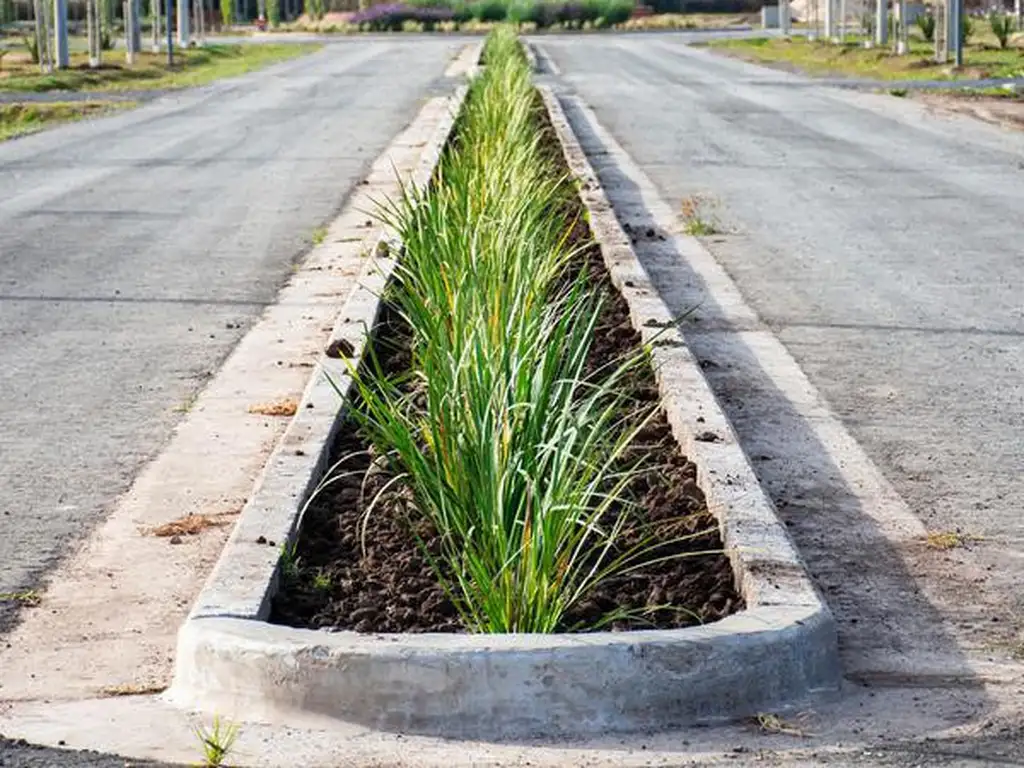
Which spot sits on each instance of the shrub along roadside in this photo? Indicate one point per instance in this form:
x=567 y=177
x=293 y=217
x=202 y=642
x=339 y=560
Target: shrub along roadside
x=571 y=14
x=504 y=435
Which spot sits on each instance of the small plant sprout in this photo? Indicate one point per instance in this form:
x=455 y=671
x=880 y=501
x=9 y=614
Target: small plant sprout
x=216 y=741
x=697 y=221
x=946 y=540
x=319 y=235
x=289 y=562
x=322 y=581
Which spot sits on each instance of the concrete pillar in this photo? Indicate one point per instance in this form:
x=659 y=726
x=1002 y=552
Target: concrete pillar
x=183 y=25
x=60 y=33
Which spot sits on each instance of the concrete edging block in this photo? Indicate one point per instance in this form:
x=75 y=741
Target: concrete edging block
x=778 y=652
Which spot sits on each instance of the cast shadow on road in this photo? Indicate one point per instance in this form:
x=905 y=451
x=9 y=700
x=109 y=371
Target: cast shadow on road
x=890 y=634
x=117 y=299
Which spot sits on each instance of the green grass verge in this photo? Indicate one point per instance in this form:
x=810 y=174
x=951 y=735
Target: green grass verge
x=854 y=60
x=195 y=66
x=21 y=119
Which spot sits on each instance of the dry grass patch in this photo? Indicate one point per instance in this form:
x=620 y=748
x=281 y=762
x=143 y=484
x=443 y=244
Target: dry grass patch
x=193 y=524
x=133 y=689
x=698 y=216
x=775 y=724
x=946 y=540
x=286 y=407
x=28 y=597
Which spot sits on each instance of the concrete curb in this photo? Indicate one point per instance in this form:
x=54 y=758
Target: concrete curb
x=531 y=55
x=778 y=652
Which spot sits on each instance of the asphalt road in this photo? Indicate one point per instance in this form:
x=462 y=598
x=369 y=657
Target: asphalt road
x=136 y=250
x=884 y=247
x=885 y=250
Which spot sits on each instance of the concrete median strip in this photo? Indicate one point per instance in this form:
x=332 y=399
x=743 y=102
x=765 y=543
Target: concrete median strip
x=780 y=651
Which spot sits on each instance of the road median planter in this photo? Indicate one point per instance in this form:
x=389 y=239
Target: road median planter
x=527 y=515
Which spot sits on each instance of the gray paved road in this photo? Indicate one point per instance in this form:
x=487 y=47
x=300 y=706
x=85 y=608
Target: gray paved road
x=136 y=250
x=886 y=250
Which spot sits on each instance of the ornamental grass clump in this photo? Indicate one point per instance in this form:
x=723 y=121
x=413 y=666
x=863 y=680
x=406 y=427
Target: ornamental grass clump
x=501 y=433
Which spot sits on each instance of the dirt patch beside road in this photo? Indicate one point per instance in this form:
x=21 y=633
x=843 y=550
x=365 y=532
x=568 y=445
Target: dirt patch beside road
x=1007 y=111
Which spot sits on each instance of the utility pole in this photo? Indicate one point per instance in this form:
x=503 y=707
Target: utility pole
x=60 y=33
x=1018 y=11
x=170 y=34
x=183 y=16
x=954 y=23
x=92 y=32
x=881 y=22
x=784 y=17
x=830 y=20
x=131 y=30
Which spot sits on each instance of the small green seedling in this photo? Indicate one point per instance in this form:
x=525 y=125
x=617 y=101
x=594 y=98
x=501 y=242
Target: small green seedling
x=322 y=581
x=216 y=741
x=289 y=562
x=319 y=235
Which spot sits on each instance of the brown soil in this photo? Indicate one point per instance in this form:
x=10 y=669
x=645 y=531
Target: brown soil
x=378 y=579
x=1007 y=111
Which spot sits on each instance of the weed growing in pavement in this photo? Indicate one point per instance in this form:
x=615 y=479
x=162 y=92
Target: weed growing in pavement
x=133 y=689
x=944 y=540
x=28 y=597
x=188 y=403
x=899 y=93
x=319 y=235
x=772 y=723
x=216 y=741
x=697 y=221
